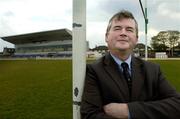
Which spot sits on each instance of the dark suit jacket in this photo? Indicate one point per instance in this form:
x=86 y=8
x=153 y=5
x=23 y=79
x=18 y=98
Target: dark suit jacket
x=152 y=97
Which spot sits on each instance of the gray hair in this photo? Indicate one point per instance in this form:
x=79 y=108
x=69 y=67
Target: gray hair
x=123 y=14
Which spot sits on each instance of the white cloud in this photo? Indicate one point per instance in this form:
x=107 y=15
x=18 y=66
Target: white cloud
x=20 y=16
x=152 y=32
x=34 y=15
x=96 y=33
x=167 y=10
x=25 y=16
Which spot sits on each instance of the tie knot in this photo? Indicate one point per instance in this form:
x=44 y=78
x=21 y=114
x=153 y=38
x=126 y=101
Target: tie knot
x=124 y=65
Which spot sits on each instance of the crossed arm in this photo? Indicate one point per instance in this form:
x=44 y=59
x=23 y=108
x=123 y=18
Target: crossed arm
x=166 y=105
x=117 y=110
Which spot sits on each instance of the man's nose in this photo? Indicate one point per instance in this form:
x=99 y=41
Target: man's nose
x=123 y=32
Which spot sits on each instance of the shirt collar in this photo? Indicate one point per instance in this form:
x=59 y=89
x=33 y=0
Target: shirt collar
x=118 y=61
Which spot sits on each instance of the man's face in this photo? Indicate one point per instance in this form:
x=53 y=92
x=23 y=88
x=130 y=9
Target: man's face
x=122 y=35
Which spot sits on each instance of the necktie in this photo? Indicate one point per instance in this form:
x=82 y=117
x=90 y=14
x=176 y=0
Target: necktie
x=127 y=76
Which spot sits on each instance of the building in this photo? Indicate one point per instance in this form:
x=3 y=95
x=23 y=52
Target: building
x=54 y=43
x=139 y=50
x=97 y=52
x=8 y=51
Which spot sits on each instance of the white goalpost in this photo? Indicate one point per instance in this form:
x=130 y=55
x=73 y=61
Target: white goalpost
x=79 y=53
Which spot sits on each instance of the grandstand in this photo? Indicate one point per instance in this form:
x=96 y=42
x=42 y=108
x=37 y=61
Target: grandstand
x=54 y=43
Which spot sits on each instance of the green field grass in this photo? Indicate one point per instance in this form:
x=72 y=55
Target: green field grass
x=42 y=89
x=171 y=70
x=33 y=89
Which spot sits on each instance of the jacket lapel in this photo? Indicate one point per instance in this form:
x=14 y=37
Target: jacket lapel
x=113 y=70
x=137 y=78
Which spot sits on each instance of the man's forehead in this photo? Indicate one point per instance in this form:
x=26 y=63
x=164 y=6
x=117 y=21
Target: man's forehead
x=124 y=20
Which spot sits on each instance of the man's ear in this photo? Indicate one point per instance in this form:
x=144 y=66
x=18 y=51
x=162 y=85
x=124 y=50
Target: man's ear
x=136 y=39
x=106 y=37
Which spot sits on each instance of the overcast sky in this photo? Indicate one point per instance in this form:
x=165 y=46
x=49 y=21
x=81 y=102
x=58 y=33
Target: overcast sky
x=27 y=16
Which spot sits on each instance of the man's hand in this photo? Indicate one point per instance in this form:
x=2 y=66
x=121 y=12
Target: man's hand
x=117 y=110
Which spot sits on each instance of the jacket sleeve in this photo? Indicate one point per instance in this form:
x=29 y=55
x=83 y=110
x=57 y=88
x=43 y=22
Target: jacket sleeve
x=166 y=105
x=91 y=105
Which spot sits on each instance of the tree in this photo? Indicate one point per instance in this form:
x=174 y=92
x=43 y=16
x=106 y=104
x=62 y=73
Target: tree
x=165 y=40
x=173 y=40
x=159 y=42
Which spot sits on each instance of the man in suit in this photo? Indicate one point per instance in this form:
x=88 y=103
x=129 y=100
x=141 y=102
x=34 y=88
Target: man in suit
x=119 y=85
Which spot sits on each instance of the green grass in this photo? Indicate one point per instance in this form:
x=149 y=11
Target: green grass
x=33 y=89
x=42 y=89
x=171 y=70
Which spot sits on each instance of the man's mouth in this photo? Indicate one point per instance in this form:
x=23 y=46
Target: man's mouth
x=123 y=40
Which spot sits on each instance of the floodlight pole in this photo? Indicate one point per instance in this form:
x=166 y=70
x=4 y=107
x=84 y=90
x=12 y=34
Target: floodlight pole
x=146 y=22
x=79 y=53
